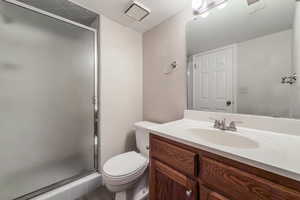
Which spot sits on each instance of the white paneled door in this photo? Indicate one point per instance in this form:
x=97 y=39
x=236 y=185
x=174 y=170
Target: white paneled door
x=213 y=80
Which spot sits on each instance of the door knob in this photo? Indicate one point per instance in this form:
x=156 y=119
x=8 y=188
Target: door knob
x=188 y=193
x=228 y=103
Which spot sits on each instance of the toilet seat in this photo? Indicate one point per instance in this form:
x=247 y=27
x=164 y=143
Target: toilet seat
x=124 y=168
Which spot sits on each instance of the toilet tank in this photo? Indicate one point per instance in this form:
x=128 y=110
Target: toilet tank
x=142 y=136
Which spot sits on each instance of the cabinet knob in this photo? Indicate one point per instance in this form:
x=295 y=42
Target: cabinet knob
x=148 y=147
x=188 y=193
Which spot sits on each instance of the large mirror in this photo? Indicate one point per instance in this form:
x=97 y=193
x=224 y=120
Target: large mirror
x=243 y=57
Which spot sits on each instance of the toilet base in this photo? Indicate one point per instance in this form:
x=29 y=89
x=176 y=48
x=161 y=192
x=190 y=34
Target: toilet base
x=141 y=191
x=121 y=195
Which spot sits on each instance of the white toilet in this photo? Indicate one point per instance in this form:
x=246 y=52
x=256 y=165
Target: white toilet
x=127 y=170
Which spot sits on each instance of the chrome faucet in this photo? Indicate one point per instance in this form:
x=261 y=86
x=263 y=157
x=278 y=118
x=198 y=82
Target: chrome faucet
x=221 y=125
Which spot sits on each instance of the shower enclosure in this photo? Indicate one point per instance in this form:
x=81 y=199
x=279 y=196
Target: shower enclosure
x=48 y=100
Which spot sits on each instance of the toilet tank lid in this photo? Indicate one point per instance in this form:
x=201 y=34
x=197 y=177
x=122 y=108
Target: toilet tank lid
x=145 y=124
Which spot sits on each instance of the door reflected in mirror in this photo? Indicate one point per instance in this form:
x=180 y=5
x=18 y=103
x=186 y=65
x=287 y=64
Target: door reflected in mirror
x=245 y=58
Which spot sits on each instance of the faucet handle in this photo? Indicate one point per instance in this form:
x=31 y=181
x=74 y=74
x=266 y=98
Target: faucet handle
x=232 y=125
x=217 y=122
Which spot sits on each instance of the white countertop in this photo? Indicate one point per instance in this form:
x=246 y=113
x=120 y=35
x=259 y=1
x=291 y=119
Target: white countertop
x=274 y=152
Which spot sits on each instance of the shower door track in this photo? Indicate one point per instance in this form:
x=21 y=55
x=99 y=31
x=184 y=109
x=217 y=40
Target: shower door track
x=95 y=102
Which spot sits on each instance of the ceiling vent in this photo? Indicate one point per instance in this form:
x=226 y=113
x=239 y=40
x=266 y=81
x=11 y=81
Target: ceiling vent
x=137 y=11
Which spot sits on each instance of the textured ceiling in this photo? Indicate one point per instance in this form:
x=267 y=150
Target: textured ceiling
x=114 y=9
x=66 y=9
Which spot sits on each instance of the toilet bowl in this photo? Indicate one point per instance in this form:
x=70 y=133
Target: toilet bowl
x=129 y=170
x=122 y=171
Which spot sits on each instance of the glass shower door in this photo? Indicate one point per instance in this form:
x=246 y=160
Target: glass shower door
x=46 y=100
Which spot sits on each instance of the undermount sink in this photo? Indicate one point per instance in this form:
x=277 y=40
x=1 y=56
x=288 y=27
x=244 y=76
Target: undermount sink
x=224 y=138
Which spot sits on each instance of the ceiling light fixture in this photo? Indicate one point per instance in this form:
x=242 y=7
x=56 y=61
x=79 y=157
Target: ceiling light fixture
x=222 y=6
x=204 y=15
x=197 y=4
x=202 y=7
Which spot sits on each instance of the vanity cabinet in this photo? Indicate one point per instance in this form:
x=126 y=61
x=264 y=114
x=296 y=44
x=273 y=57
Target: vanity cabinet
x=182 y=159
x=181 y=172
x=167 y=183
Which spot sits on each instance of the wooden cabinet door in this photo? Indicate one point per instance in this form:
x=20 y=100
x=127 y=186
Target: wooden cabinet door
x=206 y=194
x=238 y=184
x=169 y=184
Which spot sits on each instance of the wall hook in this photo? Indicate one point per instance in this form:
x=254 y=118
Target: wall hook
x=171 y=67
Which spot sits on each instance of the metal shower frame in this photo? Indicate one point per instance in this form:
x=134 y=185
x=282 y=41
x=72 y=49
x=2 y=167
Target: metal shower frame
x=95 y=101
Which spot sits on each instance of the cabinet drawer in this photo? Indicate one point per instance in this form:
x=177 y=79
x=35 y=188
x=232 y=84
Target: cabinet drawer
x=238 y=185
x=177 y=157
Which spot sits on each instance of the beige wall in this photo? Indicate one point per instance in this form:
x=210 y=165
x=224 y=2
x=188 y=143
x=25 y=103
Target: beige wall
x=266 y=59
x=296 y=62
x=165 y=95
x=121 y=87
